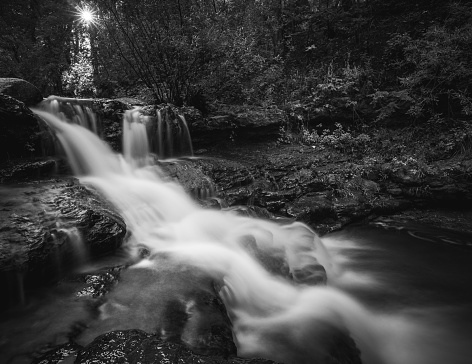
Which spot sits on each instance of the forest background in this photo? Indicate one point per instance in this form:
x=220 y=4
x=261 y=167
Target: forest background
x=341 y=70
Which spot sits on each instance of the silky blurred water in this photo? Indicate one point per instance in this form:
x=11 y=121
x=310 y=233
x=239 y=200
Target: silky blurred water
x=401 y=292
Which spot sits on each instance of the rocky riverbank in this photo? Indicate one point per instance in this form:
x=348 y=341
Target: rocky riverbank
x=324 y=189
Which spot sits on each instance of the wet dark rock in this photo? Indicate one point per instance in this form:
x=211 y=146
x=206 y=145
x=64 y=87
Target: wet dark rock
x=341 y=349
x=438 y=184
x=312 y=207
x=57 y=354
x=327 y=190
x=275 y=201
x=25 y=170
x=102 y=228
x=460 y=193
x=455 y=221
x=226 y=174
x=21 y=90
x=351 y=208
x=236 y=123
x=191 y=176
x=100 y=283
x=21 y=134
x=110 y=115
x=271 y=262
x=135 y=346
x=252 y=211
x=390 y=205
x=239 y=196
x=231 y=181
x=47 y=227
x=312 y=274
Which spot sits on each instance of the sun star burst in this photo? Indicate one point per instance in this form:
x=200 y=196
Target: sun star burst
x=87 y=15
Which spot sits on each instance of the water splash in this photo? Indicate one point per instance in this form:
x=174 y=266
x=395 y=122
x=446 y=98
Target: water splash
x=272 y=316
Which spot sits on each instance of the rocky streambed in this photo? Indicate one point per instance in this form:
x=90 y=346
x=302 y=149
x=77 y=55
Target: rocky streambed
x=324 y=189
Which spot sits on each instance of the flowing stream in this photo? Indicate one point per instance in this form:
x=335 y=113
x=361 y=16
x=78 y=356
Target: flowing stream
x=403 y=299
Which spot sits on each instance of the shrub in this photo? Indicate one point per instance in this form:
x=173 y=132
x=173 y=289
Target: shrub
x=339 y=139
x=440 y=82
x=389 y=103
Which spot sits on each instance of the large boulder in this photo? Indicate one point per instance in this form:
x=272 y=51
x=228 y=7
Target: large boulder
x=21 y=134
x=48 y=227
x=21 y=90
x=180 y=304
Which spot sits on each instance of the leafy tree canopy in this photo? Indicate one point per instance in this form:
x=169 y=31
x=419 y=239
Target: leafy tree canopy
x=372 y=58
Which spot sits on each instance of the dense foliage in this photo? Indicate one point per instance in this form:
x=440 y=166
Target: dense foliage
x=360 y=62
x=34 y=38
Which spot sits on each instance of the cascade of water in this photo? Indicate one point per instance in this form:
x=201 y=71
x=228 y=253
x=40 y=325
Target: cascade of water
x=135 y=138
x=271 y=316
x=205 y=191
x=85 y=117
x=185 y=139
x=169 y=137
x=79 y=250
x=160 y=135
x=173 y=136
x=78 y=111
x=86 y=153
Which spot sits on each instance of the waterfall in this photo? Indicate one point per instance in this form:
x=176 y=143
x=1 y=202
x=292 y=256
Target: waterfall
x=185 y=139
x=172 y=135
x=272 y=316
x=135 y=138
x=166 y=134
x=77 y=111
x=79 y=250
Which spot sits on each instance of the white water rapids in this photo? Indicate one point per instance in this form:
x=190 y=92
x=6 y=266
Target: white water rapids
x=272 y=317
